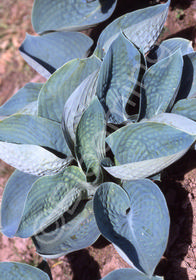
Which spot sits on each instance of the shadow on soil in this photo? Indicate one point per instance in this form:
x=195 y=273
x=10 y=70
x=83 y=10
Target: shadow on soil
x=45 y=267
x=181 y=214
x=83 y=266
x=181 y=4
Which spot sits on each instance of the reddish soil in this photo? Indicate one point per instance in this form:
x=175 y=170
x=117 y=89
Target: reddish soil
x=178 y=182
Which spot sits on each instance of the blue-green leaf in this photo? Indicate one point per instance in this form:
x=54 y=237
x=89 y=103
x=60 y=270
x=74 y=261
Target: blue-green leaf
x=145 y=148
x=176 y=121
x=90 y=139
x=142 y=27
x=192 y=58
x=70 y=233
x=25 y=96
x=135 y=219
x=50 y=197
x=61 y=85
x=75 y=106
x=49 y=15
x=188 y=82
x=160 y=86
x=118 y=77
x=50 y=51
x=44 y=69
x=30 y=109
x=186 y=107
x=14 y=197
x=32 y=159
x=21 y=271
x=26 y=129
x=168 y=47
x=129 y=274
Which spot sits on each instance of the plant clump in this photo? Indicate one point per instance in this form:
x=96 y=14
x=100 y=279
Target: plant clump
x=89 y=143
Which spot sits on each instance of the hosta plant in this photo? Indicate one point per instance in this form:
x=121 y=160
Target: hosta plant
x=58 y=26
x=88 y=143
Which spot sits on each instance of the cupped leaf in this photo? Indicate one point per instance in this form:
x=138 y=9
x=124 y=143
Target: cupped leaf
x=61 y=85
x=129 y=274
x=176 y=121
x=52 y=50
x=25 y=96
x=142 y=27
x=14 y=197
x=143 y=169
x=70 y=14
x=21 y=271
x=50 y=197
x=188 y=82
x=26 y=129
x=118 y=77
x=44 y=69
x=168 y=47
x=70 y=233
x=186 y=107
x=145 y=148
x=32 y=159
x=160 y=86
x=192 y=92
x=136 y=219
x=90 y=139
x=75 y=106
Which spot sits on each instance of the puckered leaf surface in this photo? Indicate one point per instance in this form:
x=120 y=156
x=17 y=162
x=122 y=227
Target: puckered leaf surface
x=136 y=219
x=179 y=122
x=61 y=85
x=50 y=197
x=118 y=77
x=192 y=92
x=160 y=86
x=50 y=51
x=73 y=231
x=186 y=107
x=168 y=47
x=145 y=148
x=21 y=271
x=90 y=139
x=32 y=159
x=75 y=106
x=14 y=197
x=188 y=82
x=70 y=14
x=142 y=27
x=33 y=130
x=25 y=96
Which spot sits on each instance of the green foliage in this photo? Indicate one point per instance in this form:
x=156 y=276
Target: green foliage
x=54 y=49
x=135 y=218
x=20 y=271
x=127 y=274
x=118 y=77
x=83 y=151
x=70 y=14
